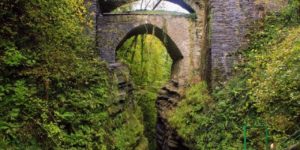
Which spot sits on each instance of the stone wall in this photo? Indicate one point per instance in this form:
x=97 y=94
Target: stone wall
x=230 y=22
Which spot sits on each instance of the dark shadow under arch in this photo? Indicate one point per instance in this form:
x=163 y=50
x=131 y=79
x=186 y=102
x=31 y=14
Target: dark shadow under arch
x=107 y=6
x=170 y=45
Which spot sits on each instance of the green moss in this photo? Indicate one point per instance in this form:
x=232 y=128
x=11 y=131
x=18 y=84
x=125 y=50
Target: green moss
x=130 y=133
x=187 y=117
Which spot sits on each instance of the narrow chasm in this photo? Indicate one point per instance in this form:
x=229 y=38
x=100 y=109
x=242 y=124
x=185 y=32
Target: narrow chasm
x=149 y=67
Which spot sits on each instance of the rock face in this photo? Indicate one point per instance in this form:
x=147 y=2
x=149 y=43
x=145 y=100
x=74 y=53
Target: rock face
x=167 y=138
x=125 y=88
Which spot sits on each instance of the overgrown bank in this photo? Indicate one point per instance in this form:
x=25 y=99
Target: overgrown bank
x=56 y=94
x=264 y=91
x=54 y=91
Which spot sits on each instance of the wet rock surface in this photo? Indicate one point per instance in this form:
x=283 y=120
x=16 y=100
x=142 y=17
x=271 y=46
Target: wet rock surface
x=166 y=136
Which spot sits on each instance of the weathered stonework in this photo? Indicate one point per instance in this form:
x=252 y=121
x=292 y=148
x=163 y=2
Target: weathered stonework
x=186 y=35
x=230 y=22
x=179 y=31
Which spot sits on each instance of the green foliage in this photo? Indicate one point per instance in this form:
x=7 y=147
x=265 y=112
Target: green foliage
x=272 y=28
x=273 y=74
x=146 y=100
x=12 y=57
x=149 y=65
x=131 y=131
x=187 y=117
x=148 y=60
x=291 y=15
x=54 y=91
x=274 y=85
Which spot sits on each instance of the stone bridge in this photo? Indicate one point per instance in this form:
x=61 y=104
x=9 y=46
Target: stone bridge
x=195 y=55
x=179 y=33
x=206 y=58
x=185 y=38
x=183 y=35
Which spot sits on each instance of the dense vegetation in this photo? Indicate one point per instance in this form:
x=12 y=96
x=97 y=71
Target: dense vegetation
x=55 y=93
x=265 y=91
x=149 y=65
x=52 y=93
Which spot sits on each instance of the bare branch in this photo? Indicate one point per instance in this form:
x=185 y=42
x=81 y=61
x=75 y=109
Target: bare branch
x=156 y=4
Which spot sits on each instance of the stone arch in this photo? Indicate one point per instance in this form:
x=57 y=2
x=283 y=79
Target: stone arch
x=113 y=29
x=170 y=45
x=173 y=50
x=108 y=6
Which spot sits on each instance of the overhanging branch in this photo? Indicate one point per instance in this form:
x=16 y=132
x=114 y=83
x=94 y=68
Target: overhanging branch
x=156 y=4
